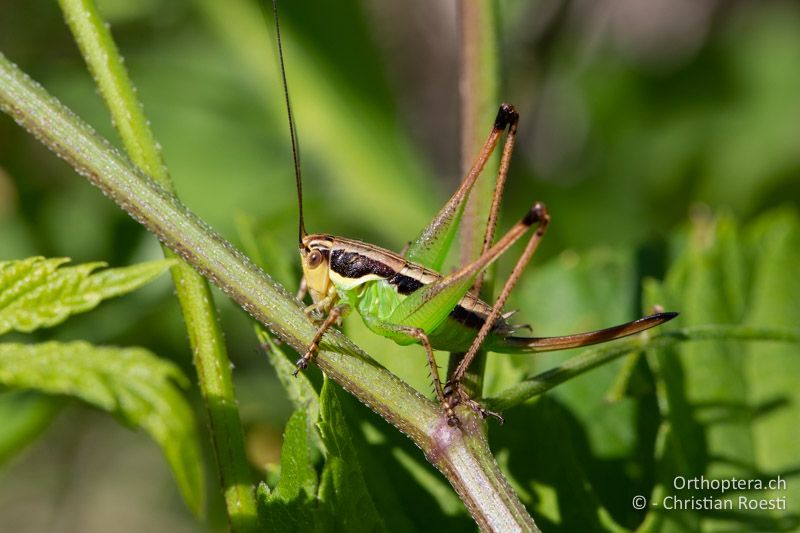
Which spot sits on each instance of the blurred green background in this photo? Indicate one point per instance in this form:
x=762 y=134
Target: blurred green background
x=636 y=117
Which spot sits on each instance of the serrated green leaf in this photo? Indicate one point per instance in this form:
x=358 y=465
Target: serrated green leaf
x=38 y=292
x=773 y=368
x=343 y=493
x=291 y=505
x=130 y=383
x=732 y=405
x=692 y=375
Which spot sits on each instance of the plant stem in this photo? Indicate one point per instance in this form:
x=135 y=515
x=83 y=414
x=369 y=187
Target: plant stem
x=194 y=295
x=490 y=499
x=462 y=455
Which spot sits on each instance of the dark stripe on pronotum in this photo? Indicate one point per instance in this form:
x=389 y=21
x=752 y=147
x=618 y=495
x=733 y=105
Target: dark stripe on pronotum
x=353 y=265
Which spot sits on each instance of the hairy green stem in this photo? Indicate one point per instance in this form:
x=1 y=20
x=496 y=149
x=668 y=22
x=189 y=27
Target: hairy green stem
x=462 y=455
x=601 y=355
x=194 y=295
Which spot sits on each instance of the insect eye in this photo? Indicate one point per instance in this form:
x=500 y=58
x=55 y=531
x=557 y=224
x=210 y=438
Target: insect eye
x=314 y=259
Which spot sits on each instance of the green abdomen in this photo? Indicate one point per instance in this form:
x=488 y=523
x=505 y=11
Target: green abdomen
x=376 y=300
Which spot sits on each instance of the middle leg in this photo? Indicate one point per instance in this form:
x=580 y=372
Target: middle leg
x=402 y=333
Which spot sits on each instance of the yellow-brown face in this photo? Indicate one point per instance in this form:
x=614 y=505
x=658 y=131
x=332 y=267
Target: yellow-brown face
x=314 y=254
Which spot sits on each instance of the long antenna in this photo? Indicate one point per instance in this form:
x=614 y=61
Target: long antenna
x=292 y=130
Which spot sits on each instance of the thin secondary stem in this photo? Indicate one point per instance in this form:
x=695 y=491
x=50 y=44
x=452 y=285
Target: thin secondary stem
x=601 y=355
x=194 y=295
x=462 y=455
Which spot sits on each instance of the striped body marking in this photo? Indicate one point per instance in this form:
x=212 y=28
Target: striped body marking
x=353 y=263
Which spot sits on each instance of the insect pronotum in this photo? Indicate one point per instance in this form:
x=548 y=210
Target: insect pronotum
x=405 y=298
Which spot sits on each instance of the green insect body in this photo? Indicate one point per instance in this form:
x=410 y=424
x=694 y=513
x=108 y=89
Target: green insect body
x=376 y=283
x=405 y=297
